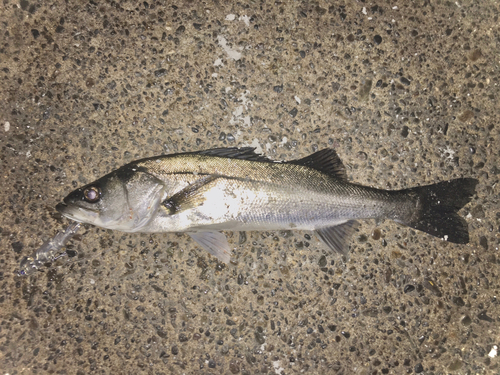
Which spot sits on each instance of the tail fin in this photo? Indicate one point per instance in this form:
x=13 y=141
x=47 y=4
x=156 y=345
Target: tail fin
x=438 y=206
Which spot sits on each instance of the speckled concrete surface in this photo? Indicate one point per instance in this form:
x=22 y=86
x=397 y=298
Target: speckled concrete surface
x=407 y=93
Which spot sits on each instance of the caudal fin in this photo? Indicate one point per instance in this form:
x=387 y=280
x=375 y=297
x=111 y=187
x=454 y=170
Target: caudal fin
x=437 y=209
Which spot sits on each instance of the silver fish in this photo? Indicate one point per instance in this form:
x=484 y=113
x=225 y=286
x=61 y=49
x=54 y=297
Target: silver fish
x=235 y=189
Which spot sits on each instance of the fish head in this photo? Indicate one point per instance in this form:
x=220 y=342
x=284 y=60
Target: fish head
x=126 y=199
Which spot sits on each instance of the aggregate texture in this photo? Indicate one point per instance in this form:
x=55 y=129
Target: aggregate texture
x=407 y=93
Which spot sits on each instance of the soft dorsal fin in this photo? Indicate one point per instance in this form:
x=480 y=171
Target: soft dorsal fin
x=326 y=161
x=245 y=153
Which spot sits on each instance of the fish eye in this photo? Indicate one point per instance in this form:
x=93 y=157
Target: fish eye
x=92 y=194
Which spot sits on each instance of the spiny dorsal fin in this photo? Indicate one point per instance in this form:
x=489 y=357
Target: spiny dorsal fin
x=245 y=153
x=326 y=161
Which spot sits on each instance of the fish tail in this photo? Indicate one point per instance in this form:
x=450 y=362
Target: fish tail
x=437 y=209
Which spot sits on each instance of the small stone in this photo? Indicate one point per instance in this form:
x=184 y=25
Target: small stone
x=483 y=241
x=377 y=39
x=485 y=317
x=234 y=367
x=322 y=261
x=466 y=321
x=160 y=72
x=376 y=234
x=419 y=368
x=260 y=336
x=364 y=90
x=409 y=288
x=405 y=81
x=17 y=247
x=455 y=365
x=475 y=55
x=478 y=212
x=466 y=116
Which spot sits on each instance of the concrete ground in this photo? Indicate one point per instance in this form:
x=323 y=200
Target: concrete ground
x=406 y=92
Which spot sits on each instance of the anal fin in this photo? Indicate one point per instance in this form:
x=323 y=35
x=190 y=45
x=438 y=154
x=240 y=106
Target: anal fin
x=213 y=242
x=338 y=237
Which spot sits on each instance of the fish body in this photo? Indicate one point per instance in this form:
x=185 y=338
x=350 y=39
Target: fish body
x=233 y=189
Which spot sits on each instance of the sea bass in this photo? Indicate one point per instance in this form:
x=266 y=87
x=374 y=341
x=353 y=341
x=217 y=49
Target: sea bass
x=235 y=189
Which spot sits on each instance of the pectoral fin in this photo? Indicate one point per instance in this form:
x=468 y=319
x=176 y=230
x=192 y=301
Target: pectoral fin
x=213 y=242
x=190 y=197
x=337 y=237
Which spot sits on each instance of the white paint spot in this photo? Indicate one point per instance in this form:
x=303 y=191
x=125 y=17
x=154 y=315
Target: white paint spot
x=238 y=112
x=445 y=237
x=277 y=367
x=255 y=143
x=448 y=150
x=245 y=19
x=230 y=17
x=297 y=99
x=92 y=281
x=395 y=7
x=283 y=141
x=6 y=126
x=218 y=62
x=232 y=53
x=364 y=11
x=493 y=352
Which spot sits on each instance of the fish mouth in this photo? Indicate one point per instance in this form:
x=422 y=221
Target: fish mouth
x=77 y=213
x=61 y=207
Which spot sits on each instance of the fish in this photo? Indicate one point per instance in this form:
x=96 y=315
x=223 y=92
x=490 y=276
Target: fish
x=205 y=192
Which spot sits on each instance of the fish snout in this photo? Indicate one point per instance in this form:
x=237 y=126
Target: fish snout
x=61 y=207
